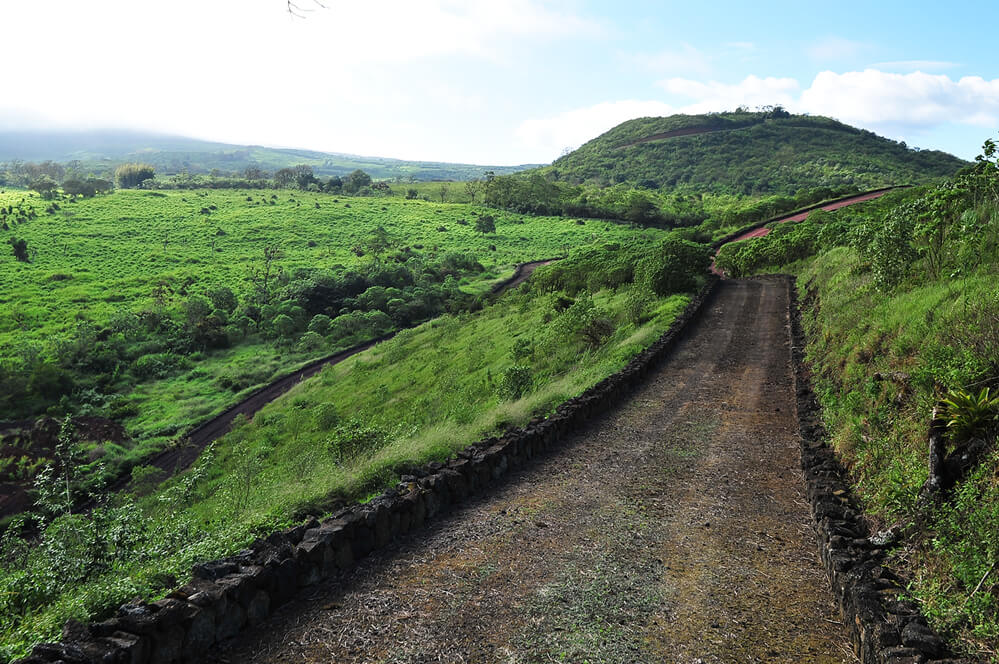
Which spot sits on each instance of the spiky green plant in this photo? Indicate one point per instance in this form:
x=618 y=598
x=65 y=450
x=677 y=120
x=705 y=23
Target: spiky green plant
x=969 y=414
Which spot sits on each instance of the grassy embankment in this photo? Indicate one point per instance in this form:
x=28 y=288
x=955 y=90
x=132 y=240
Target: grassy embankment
x=902 y=310
x=349 y=432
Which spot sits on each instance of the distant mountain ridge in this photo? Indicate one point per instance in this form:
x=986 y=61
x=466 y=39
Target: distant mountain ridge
x=103 y=149
x=748 y=153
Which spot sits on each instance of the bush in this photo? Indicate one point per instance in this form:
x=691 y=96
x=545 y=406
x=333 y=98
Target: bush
x=968 y=414
x=157 y=365
x=673 y=266
x=320 y=324
x=311 y=341
x=325 y=416
x=353 y=438
x=515 y=382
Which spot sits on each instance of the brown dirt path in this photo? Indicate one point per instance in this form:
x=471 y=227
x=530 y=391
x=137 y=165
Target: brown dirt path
x=801 y=216
x=673 y=530
x=180 y=457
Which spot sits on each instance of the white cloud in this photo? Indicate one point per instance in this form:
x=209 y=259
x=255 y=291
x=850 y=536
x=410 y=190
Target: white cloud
x=897 y=105
x=835 y=48
x=915 y=65
x=356 y=77
x=570 y=129
x=714 y=96
x=685 y=60
x=895 y=102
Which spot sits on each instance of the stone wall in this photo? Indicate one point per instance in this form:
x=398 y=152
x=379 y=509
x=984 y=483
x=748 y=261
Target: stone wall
x=226 y=596
x=885 y=628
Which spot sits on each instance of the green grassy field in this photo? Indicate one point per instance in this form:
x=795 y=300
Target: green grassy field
x=127 y=256
x=342 y=435
x=99 y=255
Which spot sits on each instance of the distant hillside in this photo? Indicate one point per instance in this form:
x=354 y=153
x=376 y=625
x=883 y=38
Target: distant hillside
x=748 y=153
x=104 y=149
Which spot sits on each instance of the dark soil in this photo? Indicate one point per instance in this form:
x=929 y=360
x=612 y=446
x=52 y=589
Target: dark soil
x=36 y=439
x=673 y=530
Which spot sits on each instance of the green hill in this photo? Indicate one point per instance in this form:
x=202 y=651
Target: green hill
x=748 y=153
x=102 y=150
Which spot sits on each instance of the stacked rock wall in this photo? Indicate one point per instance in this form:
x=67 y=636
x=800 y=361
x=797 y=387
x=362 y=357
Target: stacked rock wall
x=228 y=595
x=885 y=628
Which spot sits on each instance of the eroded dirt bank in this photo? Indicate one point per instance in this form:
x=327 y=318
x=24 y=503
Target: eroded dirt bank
x=673 y=530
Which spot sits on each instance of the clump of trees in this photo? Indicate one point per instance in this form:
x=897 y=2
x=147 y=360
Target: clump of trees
x=87 y=188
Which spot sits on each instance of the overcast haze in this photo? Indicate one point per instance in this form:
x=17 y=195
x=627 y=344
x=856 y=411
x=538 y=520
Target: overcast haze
x=499 y=82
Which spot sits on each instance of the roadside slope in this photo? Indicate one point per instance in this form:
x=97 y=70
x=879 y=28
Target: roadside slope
x=674 y=527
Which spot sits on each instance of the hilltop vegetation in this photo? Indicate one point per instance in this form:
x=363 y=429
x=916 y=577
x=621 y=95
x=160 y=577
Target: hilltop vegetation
x=747 y=153
x=902 y=313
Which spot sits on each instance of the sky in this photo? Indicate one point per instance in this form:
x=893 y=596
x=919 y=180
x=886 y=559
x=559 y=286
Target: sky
x=496 y=82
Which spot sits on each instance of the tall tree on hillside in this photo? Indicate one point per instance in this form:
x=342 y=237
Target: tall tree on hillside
x=284 y=177
x=44 y=185
x=356 y=181
x=472 y=188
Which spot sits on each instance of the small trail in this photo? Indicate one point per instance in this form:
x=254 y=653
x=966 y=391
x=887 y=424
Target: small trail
x=801 y=216
x=673 y=530
x=176 y=459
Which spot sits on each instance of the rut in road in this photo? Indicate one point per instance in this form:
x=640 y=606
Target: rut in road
x=673 y=530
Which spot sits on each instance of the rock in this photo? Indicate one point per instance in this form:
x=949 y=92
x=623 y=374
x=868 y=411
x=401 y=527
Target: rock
x=917 y=634
x=168 y=645
x=258 y=609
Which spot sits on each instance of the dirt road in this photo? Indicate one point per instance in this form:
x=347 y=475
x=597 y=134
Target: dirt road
x=673 y=530
x=801 y=216
x=178 y=458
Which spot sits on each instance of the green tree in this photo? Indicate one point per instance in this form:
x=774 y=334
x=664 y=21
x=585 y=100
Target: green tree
x=485 y=224
x=44 y=185
x=356 y=181
x=75 y=187
x=673 y=266
x=130 y=176
x=20 y=249
x=223 y=299
x=472 y=188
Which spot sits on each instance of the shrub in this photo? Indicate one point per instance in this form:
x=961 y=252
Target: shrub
x=673 y=266
x=515 y=382
x=485 y=224
x=156 y=365
x=311 y=341
x=325 y=416
x=353 y=438
x=320 y=324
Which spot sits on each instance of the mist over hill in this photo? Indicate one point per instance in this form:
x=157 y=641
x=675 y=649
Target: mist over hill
x=99 y=150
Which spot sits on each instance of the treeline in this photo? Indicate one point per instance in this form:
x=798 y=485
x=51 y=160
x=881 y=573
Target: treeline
x=48 y=177
x=537 y=193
